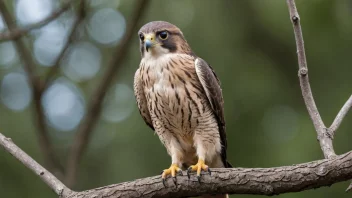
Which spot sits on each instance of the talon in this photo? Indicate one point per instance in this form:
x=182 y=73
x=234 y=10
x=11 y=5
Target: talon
x=164 y=182
x=188 y=171
x=209 y=171
x=175 y=180
x=171 y=171
x=198 y=167
x=179 y=172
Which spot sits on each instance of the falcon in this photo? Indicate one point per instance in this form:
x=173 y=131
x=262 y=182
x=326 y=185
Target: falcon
x=179 y=96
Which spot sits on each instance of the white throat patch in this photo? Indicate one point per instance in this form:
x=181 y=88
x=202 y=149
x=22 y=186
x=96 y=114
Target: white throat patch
x=155 y=52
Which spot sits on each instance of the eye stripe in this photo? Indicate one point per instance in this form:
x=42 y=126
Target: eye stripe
x=141 y=36
x=169 y=43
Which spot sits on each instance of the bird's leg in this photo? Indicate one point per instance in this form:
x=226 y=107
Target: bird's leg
x=206 y=151
x=176 y=161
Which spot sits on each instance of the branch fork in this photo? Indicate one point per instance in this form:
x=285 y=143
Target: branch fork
x=258 y=181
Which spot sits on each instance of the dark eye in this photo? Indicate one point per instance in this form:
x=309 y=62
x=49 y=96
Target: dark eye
x=163 y=35
x=141 y=36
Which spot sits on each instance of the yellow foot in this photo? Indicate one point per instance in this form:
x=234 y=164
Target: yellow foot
x=198 y=167
x=171 y=171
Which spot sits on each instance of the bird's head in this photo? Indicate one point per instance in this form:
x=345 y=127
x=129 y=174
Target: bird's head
x=159 y=37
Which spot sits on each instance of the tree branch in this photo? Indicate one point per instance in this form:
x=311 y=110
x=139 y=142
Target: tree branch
x=340 y=116
x=29 y=66
x=17 y=32
x=258 y=181
x=57 y=186
x=323 y=134
x=80 y=17
x=94 y=106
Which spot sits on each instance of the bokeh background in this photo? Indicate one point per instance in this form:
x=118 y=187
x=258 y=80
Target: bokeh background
x=250 y=44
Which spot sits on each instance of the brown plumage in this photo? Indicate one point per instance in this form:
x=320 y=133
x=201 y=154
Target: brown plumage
x=179 y=96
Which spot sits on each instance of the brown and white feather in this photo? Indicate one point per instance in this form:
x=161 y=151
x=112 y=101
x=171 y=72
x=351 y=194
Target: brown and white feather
x=179 y=96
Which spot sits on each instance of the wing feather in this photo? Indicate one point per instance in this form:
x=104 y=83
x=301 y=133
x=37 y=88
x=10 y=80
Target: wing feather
x=211 y=86
x=141 y=99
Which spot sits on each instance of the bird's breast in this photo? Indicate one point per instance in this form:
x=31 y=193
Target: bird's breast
x=173 y=92
x=166 y=75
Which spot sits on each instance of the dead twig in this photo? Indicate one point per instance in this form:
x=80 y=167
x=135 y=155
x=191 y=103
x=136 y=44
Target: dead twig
x=55 y=184
x=17 y=32
x=340 y=116
x=324 y=136
x=335 y=125
x=29 y=66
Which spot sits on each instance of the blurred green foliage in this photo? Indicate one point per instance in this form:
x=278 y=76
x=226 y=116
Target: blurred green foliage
x=250 y=44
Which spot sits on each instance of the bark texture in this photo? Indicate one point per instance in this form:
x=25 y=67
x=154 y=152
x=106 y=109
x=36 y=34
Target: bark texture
x=261 y=181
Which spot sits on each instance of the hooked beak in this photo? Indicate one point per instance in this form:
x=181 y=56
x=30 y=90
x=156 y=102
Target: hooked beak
x=149 y=41
x=148 y=44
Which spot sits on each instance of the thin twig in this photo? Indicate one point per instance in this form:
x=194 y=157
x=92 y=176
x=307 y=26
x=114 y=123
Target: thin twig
x=56 y=185
x=29 y=66
x=338 y=120
x=324 y=136
x=17 y=32
x=349 y=188
x=95 y=104
x=258 y=181
x=340 y=116
x=80 y=17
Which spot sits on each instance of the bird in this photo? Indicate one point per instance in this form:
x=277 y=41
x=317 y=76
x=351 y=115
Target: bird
x=179 y=96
